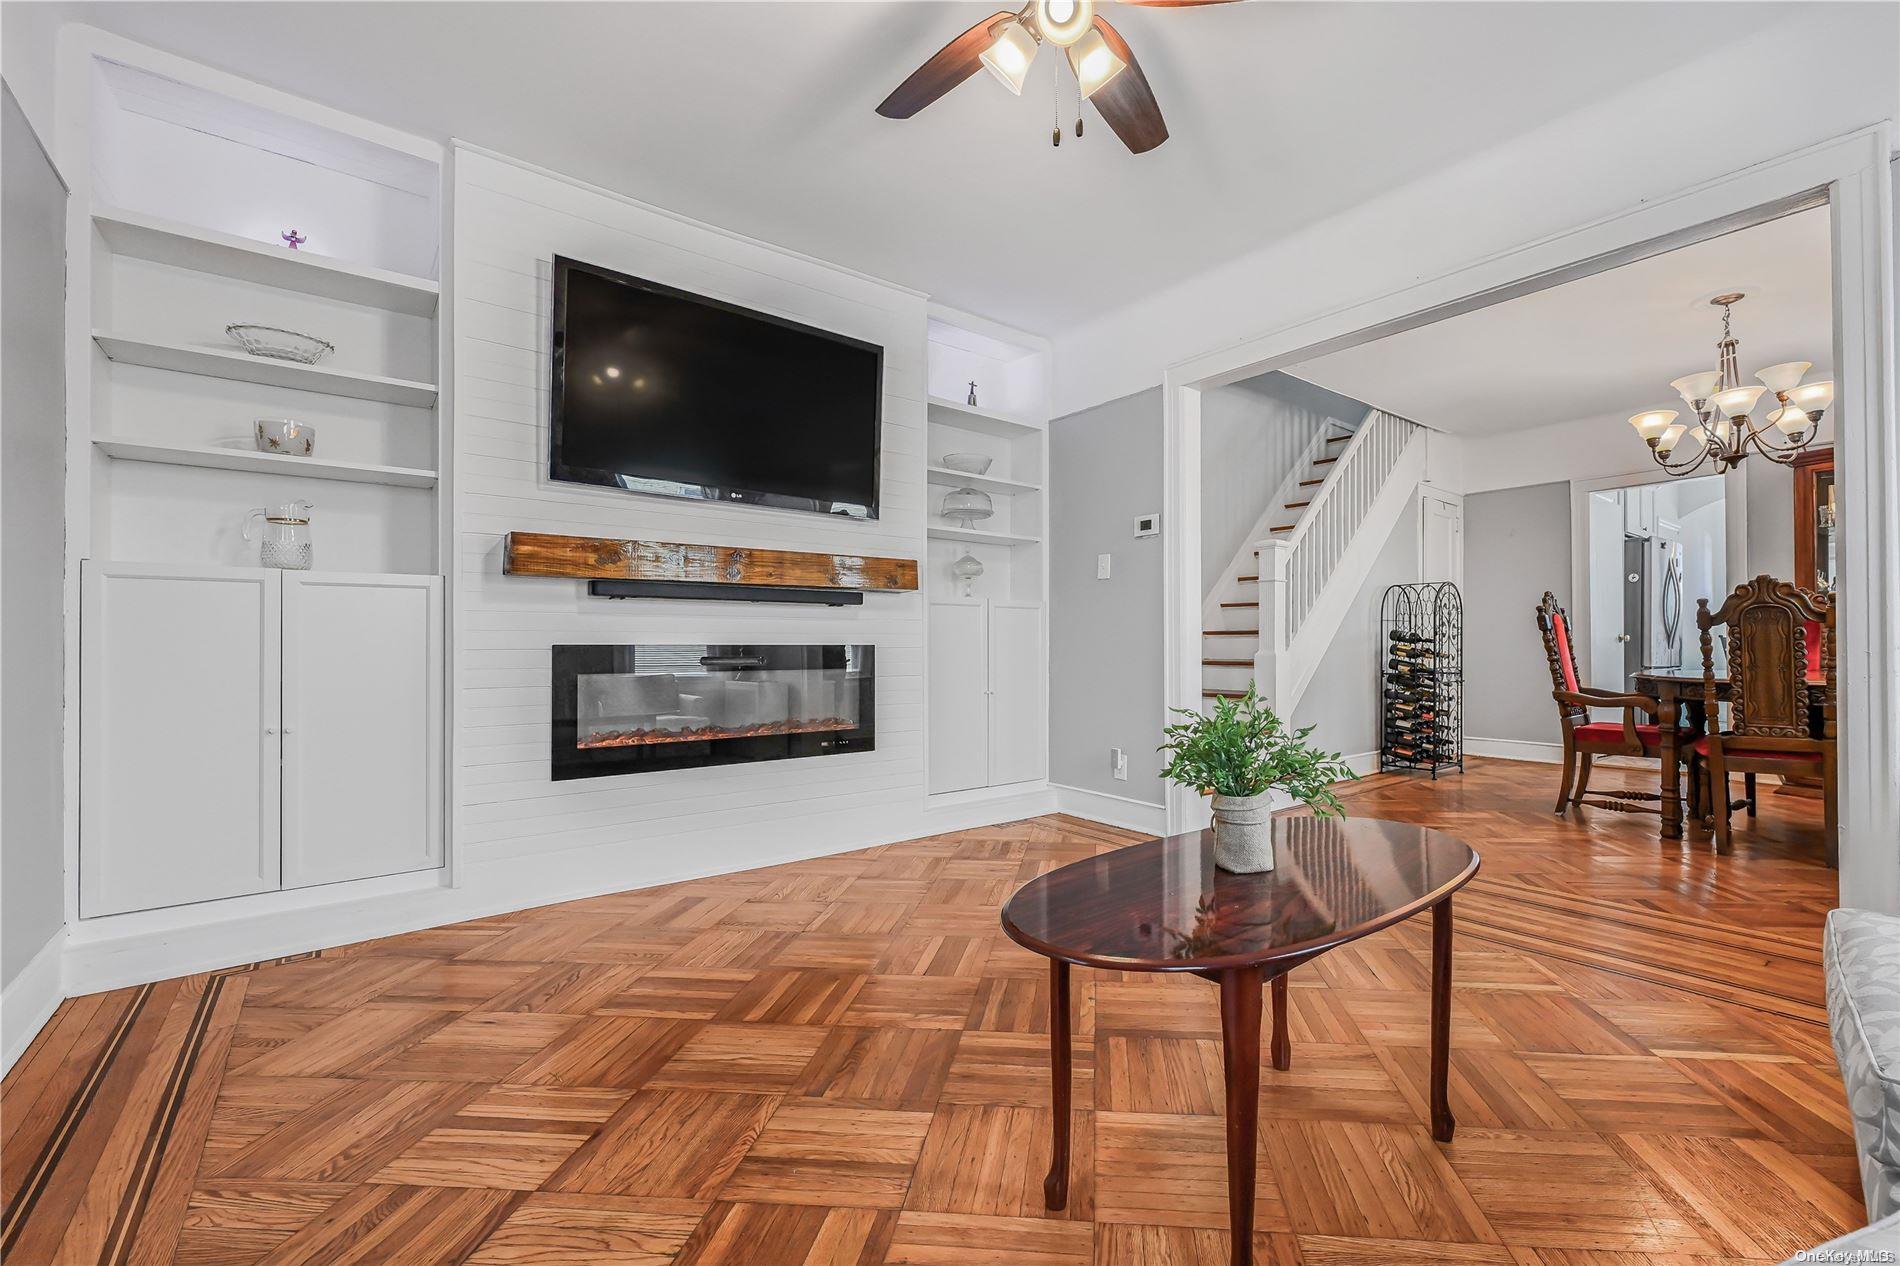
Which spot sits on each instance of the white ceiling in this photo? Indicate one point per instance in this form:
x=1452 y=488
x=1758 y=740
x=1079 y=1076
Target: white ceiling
x=759 y=117
x=1606 y=345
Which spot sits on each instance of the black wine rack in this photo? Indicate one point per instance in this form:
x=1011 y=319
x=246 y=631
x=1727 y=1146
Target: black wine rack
x=1422 y=678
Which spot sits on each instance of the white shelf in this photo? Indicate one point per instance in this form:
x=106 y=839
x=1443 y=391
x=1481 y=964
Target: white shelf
x=944 y=477
x=273 y=463
x=241 y=367
x=972 y=536
x=970 y=418
x=138 y=236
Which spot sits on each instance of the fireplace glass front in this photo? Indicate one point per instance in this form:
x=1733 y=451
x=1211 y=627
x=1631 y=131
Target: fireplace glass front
x=630 y=709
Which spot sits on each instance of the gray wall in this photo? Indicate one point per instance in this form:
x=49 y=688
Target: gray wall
x=1251 y=433
x=1342 y=700
x=1517 y=545
x=1105 y=665
x=1770 y=520
x=32 y=540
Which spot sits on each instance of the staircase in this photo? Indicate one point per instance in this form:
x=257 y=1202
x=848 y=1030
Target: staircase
x=1282 y=598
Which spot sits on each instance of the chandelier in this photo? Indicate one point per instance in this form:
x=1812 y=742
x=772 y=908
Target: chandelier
x=1724 y=429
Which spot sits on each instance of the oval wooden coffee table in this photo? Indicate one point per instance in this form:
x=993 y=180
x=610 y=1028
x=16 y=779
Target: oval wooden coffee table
x=1162 y=905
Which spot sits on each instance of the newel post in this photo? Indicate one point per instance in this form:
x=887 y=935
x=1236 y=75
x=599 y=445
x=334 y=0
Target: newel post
x=1270 y=658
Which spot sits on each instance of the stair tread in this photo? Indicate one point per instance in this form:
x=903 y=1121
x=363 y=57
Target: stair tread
x=1240 y=604
x=1298 y=505
x=1338 y=439
x=1244 y=579
x=1230 y=632
x=1223 y=694
x=1227 y=663
x=1287 y=528
x=1324 y=461
x=1311 y=483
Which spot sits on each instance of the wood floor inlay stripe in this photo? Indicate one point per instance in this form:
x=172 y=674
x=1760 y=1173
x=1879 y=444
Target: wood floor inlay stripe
x=843 y=1062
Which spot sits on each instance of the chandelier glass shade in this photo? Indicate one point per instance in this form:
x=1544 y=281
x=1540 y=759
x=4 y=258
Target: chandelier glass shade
x=1725 y=431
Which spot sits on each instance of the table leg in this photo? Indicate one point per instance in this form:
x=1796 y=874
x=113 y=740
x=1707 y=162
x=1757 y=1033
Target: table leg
x=1055 y=1188
x=1442 y=1123
x=1666 y=712
x=1282 y=1046
x=1240 y=1053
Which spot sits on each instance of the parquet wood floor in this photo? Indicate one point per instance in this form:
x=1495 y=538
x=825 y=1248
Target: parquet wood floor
x=842 y=1062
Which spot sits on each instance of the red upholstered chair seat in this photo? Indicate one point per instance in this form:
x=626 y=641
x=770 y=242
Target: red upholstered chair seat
x=1734 y=752
x=1612 y=732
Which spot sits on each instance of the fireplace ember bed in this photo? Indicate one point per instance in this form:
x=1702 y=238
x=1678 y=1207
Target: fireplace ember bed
x=634 y=709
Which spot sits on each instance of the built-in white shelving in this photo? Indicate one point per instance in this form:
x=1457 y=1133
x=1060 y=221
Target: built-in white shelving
x=274 y=463
x=970 y=418
x=976 y=536
x=243 y=367
x=944 y=477
x=138 y=236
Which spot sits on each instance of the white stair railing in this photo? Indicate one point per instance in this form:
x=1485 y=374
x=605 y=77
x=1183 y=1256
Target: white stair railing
x=1296 y=569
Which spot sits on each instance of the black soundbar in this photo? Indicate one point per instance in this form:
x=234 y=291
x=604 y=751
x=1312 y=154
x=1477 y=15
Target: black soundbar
x=707 y=591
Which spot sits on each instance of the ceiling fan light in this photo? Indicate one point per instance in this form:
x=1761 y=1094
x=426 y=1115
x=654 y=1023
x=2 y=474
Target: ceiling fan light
x=1784 y=378
x=1094 y=63
x=1009 y=56
x=1697 y=387
x=1736 y=402
x=1671 y=435
x=1064 y=22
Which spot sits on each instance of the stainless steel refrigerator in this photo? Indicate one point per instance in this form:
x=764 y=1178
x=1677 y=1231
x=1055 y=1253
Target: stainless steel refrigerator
x=1653 y=631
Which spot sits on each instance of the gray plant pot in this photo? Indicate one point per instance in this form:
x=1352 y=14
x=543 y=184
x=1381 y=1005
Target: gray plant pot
x=1243 y=833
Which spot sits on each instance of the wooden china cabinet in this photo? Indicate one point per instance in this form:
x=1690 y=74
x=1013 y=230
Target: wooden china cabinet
x=1816 y=534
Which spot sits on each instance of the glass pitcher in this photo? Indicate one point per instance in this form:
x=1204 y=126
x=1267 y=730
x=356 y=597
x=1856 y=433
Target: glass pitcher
x=284 y=535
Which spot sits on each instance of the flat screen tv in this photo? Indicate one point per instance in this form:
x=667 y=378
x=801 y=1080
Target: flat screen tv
x=660 y=391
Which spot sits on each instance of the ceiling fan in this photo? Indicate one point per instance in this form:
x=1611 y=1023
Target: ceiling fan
x=1006 y=44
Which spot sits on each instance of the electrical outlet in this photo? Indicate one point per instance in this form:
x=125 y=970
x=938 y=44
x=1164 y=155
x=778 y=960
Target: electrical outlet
x=1118 y=763
x=1102 y=562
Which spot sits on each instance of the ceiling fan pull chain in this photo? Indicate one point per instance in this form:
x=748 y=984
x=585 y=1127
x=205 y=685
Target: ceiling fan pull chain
x=1055 y=136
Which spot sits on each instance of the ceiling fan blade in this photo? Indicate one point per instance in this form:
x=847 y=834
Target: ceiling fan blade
x=953 y=63
x=1126 y=102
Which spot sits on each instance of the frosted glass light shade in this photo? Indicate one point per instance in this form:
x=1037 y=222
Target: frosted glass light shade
x=1670 y=437
x=1697 y=436
x=1813 y=397
x=1094 y=62
x=1784 y=377
x=1791 y=420
x=1736 y=402
x=1009 y=57
x=1650 y=425
x=1064 y=22
x=1694 y=387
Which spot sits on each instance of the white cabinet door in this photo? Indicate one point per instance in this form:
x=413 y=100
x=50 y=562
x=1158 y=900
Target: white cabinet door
x=362 y=725
x=179 y=716
x=1017 y=715
x=959 y=697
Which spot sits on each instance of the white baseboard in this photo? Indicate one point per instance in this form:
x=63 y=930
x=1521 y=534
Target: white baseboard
x=1122 y=811
x=1362 y=763
x=116 y=953
x=1516 y=749
x=29 y=1002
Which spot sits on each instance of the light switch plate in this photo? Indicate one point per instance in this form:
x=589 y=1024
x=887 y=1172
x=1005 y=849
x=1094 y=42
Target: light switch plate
x=1102 y=562
x=1118 y=763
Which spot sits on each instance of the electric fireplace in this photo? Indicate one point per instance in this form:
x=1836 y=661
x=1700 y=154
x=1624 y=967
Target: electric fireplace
x=632 y=709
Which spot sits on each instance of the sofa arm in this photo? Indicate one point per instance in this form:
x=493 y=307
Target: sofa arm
x=1861 y=953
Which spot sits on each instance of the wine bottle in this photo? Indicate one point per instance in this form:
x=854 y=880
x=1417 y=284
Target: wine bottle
x=1415 y=669
x=1405 y=635
x=1409 y=650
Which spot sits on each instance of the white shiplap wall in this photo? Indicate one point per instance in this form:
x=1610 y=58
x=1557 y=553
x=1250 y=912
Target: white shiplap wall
x=513 y=826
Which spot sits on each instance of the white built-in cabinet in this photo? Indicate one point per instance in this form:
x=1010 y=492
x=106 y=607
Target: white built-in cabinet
x=986 y=705
x=987 y=710
x=244 y=730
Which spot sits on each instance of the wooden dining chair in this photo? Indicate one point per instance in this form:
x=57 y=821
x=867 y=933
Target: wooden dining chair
x=1778 y=681
x=1584 y=739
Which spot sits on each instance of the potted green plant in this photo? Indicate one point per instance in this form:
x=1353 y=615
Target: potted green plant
x=1242 y=754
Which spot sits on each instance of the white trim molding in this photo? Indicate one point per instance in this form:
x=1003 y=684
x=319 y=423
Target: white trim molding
x=1852 y=176
x=30 y=1000
x=1122 y=811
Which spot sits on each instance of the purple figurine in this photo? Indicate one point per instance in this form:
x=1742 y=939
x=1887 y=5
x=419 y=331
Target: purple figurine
x=293 y=239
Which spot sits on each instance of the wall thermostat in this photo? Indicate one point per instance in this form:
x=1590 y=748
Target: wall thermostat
x=1148 y=525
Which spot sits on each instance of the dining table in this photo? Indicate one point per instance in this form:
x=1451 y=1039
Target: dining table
x=1682 y=714
x=1164 y=906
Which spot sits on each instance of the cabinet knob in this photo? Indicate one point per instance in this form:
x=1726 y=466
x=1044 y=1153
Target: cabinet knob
x=270 y=729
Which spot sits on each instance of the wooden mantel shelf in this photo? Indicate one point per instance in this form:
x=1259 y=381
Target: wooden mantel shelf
x=604 y=558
